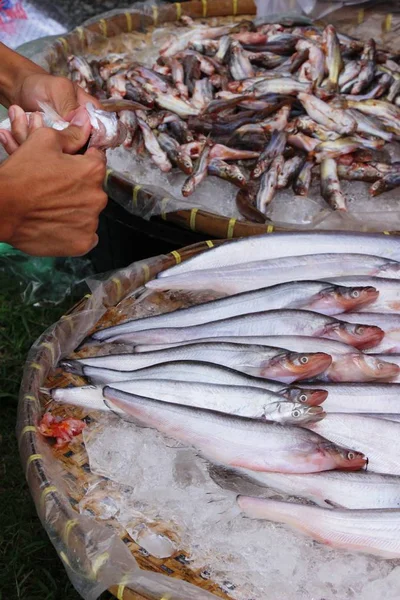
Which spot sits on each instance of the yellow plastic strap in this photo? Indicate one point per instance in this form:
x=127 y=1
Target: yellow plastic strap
x=30 y=398
x=210 y=244
x=386 y=232
x=204 y=3
x=51 y=348
x=177 y=256
x=178 y=10
x=36 y=366
x=31 y=459
x=99 y=562
x=47 y=490
x=86 y=296
x=270 y=228
x=192 y=222
x=387 y=23
x=118 y=285
x=69 y=320
x=108 y=173
x=146 y=272
x=67 y=529
x=81 y=33
x=103 y=27
x=128 y=22
x=360 y=16
x=164 y=203
x=234 y=7
x=155 y=14
x=231 y=227
x=64 y=557
x=27 y=429
x=64 y=44
x=120 y=591
x=135 y=194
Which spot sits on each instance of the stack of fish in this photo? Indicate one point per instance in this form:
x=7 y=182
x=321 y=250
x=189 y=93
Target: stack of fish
x=297 y=321
x=262 y=106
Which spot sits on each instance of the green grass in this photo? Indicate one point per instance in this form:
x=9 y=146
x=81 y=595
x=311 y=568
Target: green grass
x=29 y=566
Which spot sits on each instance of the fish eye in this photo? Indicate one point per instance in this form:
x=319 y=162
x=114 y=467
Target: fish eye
x=303 y=398
x=304 y=360
x=360 y=330
x=380 y=366
x=351 y=455
x=355 y=294
x=295 y=413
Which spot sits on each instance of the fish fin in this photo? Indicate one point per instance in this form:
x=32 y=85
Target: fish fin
x=329 y=504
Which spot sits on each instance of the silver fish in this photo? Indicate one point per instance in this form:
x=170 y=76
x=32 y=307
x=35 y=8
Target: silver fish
x=388 y=300
x=261 y=361
x=390 y=324
x=334 y=60
x=272 y=150
x=279 y=85
x=368 y=65
x=233 y=279
x=269 y=183
x=311 y=295
x=361 y=398
x=350 y=72
x=289 y=171
x=153 y=147
x=329 y=489
x=199 y=173
x=235 y=441
x=271 y=322
x=301 y=185
x=372 y=531
x=250 y=402
x=239 y=65
x=186 y=370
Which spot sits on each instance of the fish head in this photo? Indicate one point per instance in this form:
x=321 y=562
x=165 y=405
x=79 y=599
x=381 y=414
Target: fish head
x=338 y=299
x=294 y=413
x=375 y=368
x=188 y=187
x=294 y=366
x=343 y=458
x=304 y=395
x=185 y=163
x=356 y=335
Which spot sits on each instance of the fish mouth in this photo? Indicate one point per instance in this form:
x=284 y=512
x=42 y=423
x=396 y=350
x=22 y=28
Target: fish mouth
x=315 y=414
x=316 y=397
x=367 y=296
x=379 y=369
x=72 y=366
x=361 y=337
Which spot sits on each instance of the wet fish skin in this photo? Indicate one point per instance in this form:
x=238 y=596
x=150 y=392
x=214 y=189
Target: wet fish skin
x=301 y=185
x=273 y=149
x=334 y=489
x=334 y=60
x=368 y=434
x=270 y=322
x=390 y=181
x=240 y=66
x=388 y=300
x=205 y=372
x=153 y=147
x=351 y=71
x=389 y=323
x=224 y=170
x=199 y=172
x=218 y=437
x=246 y=203
x=174 y=153
x=280 y=85
x=332 y=118
x=368 y=64
x=372 y=531
x=238 y=278
x=269 y=184
x=330 y=185
x=361 y=398
x=290 y=171
x=270 y=363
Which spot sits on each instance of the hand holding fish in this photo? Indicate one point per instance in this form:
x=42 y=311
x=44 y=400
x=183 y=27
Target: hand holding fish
x=50 y=206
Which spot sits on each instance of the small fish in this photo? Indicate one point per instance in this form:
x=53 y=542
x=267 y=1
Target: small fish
x=199 y=174
x=239 y=65
x=153 y=147
x=306 y=125
x=301 y=185
x=330 y=185
x=269 y=184
x=273 y=149
x=246 y=200
x=377 y=108
x=202 y=94
x=389 y=323
x=175 y=153
x=363 y=171
x=373 y=531
x=350 y=72
x=303 y=142
x=227 y=153
x=223 y=170
x=344 y=145
x=390 y=181
x=235 y=441
x=290 y=171
x=334 y=62
x=128 y=118
x=279 y=85
x=366 y=125
x=80 y=64
x=174 y=104
x=136 y=93
x=368 y=65
x=335 y=119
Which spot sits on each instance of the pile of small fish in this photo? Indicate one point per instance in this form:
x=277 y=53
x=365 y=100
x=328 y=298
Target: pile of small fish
x=263 y=106
x=288 y=374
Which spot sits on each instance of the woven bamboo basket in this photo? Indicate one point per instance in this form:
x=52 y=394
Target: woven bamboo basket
x=59 y=479
x=141 y=21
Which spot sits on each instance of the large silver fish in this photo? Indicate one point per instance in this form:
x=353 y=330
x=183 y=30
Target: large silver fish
x=363 y=398
x=235 y=441
x=186 y=370
x=271 y=322
x=357 y=490
x=377 y=438
x=263 y=247
x=388 y=300
x=309 y=295
x=250 y=402
x=262 y=273
x=390 y=324
x=372 y=531
x=261 y=361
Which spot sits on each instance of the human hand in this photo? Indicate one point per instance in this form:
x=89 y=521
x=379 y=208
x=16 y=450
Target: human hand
x=49 y=200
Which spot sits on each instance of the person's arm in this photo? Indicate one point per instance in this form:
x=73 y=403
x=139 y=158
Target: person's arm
x=14 y=69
